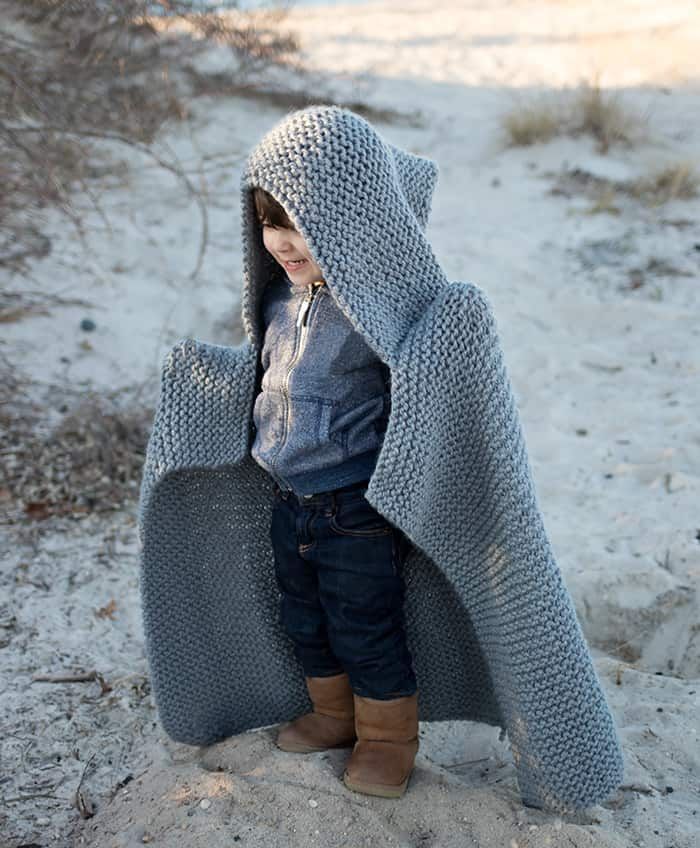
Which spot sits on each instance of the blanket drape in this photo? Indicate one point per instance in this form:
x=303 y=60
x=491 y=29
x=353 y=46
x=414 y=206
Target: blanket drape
x=490 y=624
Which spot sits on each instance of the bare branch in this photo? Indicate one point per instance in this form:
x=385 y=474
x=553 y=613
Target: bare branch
x=77 y=72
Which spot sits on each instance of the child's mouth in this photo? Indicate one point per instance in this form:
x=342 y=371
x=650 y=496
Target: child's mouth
x=291 y=266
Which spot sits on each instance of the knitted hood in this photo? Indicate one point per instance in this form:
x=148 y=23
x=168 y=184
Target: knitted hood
x=361 y=204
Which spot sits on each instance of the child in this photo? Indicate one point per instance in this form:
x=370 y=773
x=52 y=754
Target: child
x=363 y=439
x=320 y=417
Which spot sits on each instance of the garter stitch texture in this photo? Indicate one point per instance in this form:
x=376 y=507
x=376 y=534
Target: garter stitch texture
x=490 y=624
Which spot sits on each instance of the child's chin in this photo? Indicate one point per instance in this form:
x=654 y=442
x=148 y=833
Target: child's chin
x=300 y=277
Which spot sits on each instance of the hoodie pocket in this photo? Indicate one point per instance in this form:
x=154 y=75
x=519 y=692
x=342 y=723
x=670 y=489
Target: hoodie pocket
x=307 y=444
x=356 y=429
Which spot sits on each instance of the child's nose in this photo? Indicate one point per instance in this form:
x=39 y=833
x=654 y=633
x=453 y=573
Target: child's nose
x=283 y=241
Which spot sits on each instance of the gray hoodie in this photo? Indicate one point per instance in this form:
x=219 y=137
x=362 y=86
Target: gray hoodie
x=324 y=399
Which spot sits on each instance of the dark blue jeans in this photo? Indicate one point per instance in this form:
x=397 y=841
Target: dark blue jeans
x=339 y=567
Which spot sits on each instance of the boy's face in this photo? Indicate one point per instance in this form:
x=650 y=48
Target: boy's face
x=287 y=244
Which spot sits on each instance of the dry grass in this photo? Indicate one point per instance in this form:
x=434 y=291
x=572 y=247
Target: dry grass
x=603 y=116
x=91 y=461
x=531 y=124
x=604 y=202
x=680 y=181
x=589 y=110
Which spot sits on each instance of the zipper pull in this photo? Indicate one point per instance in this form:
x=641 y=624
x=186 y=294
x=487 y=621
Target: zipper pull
x=304 y=308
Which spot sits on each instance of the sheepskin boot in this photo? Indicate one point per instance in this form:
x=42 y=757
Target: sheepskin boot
x=387 y=743
x=330 y=725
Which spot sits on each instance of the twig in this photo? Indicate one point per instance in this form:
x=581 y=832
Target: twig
x=168 y=166
x=130 y=778
x=82 y=677
x=65 y=678
x=467 y=763
x=34 y=795
x=641 y=788
x=80 y=801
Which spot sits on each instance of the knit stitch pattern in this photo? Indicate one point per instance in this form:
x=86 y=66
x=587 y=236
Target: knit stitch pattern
x=490 y=624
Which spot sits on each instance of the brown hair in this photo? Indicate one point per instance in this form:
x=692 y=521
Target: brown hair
x=269 y=210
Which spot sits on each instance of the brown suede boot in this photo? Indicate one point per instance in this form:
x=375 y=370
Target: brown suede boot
x=330 y=725
x=387 y=733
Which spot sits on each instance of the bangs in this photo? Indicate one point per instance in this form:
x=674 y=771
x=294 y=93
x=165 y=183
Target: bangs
x=269 y=211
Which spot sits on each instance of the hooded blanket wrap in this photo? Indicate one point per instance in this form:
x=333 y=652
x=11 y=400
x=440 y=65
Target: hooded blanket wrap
x=490 y=624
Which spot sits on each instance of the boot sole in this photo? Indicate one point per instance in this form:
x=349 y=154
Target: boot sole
x=381 y=790
x=300 y=748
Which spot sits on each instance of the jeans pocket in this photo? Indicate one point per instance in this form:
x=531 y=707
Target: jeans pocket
x=359 y=518
x=400 y=550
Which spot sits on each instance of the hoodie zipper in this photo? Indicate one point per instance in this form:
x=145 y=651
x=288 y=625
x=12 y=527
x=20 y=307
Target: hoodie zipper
x=301 y=321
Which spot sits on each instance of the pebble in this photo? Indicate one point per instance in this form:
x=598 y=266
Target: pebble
x=205 y=803
x=313 y=803
x=87 y=324
x=42 y=822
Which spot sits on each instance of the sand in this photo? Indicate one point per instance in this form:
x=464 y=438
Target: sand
x=598 y=318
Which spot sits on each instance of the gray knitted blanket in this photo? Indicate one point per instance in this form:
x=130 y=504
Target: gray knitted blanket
x=490 y=624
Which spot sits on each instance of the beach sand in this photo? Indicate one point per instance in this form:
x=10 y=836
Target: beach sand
x=598 y=316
